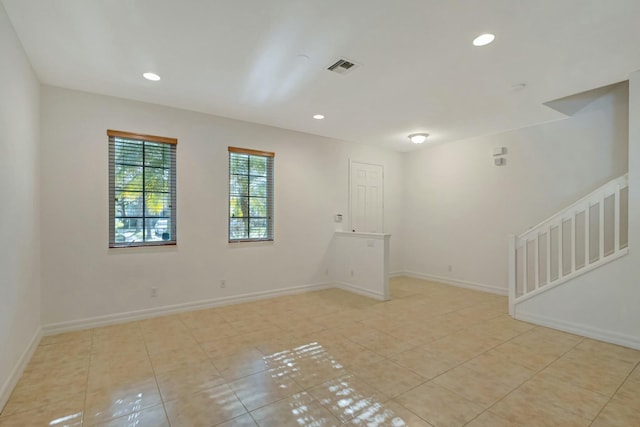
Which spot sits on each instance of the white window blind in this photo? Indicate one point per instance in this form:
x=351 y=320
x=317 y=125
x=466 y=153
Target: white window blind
x=250 y=195
x=142 y=190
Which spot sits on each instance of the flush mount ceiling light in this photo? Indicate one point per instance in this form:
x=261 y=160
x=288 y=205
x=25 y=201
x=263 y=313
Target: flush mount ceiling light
x=483 y=39
x=418 y=138
x=318 y=116
x=151 y=76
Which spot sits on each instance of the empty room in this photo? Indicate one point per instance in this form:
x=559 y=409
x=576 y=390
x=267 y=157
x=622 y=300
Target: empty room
x=340 y=213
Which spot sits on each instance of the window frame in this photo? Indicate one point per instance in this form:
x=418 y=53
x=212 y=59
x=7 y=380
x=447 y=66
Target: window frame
x=142 y=139
x=270 y=163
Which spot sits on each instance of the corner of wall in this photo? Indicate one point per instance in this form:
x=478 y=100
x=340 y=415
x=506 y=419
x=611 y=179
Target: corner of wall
x=12 y=380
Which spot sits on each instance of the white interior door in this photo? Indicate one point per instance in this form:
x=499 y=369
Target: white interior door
x=366 y=198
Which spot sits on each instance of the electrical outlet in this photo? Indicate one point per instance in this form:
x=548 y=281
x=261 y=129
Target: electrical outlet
x=154 y=292
x=326 y=272
x=352 y=273
x=223 y=284
x=450 y=268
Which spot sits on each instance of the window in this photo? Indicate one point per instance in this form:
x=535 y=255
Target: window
x=250 y=195
x=142 y=190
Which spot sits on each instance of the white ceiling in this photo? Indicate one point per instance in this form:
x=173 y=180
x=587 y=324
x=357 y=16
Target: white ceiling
x=419 y=71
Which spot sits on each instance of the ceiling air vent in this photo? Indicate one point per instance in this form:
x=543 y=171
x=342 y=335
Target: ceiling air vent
x=343 y=66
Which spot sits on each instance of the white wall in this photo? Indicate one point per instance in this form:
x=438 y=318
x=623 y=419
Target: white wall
x=82 y=278
x=459 y=207
x=362 y=263
x=19 y=233
x=604 y=303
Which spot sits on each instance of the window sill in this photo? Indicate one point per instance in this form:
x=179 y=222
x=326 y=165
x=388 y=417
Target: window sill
x=249 y=243
x=146 y=245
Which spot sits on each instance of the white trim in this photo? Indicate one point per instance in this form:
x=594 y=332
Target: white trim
x=397 y=274
x=511 y=267
x=18 y=369
x=576 y=273
x=361 y=291
x=579 y=329
x=459 y=283
x=111 y=319
x=603 y=191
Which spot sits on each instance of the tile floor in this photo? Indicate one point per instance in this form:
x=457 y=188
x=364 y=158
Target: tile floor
x=433 y=356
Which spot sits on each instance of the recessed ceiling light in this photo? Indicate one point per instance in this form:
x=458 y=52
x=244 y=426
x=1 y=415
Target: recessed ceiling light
x=418 y=138
x=151 y=76
x=483 y=39
x=318 y=117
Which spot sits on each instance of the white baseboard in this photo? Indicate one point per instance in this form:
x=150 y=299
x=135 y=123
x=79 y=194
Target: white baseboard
x=111 y=319
x=454 y=282
x=360 y=291
x=396 y=274
x=579 y=329
x=18 y=369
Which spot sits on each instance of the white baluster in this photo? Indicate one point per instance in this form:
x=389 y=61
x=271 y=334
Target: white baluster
x=536 y=262
x=601 y=232
x=549 y=255
x=573 y=247
x=616 y=221
x=587 y=227
x=524 y=266
x=560 y=239
x=512 y=273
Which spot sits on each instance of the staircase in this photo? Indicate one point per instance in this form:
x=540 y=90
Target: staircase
x=591 y=232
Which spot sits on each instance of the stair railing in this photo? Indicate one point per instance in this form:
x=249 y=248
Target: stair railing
x=591 y=232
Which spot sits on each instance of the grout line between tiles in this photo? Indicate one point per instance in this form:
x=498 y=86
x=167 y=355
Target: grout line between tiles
x=615 y=392
x=353 y=313
x=155 y=376
x=86 y=384
x=526 y=381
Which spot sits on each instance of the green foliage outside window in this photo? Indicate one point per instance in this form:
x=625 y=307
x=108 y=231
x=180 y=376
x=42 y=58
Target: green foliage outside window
x=142 y=191
x=250 y=197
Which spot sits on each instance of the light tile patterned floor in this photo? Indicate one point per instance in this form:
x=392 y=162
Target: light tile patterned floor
x=434 y=355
